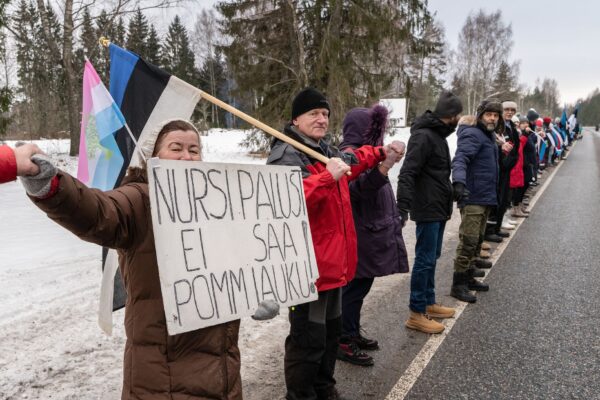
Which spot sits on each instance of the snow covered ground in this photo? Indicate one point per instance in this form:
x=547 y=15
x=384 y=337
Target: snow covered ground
x=51 y=346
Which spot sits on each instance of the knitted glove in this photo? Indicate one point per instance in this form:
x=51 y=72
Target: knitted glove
x=39 y=185
x=267 y=309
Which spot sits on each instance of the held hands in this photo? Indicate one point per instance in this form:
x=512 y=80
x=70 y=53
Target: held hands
x=394 y=153
x=39 y=185
x=507 y=147
x=460 y=192
x=23 y=156
x=337 y=168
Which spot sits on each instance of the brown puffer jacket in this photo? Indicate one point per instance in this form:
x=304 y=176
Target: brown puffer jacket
x=202 y=364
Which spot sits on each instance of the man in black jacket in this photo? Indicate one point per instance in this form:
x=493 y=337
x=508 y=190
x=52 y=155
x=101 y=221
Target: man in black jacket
x=424 y=190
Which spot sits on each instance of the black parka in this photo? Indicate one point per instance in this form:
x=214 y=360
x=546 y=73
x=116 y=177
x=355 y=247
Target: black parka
x=424 y=187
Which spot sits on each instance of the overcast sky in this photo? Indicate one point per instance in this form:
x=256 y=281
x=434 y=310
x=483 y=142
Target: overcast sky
x=552 y=38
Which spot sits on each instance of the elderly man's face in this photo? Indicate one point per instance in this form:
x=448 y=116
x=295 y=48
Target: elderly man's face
x=490 y=120
x=313 y=123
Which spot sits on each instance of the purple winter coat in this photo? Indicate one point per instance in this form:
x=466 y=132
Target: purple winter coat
x=381 y=249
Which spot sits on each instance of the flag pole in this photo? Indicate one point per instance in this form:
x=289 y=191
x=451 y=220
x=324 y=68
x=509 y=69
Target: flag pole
x=252 y=121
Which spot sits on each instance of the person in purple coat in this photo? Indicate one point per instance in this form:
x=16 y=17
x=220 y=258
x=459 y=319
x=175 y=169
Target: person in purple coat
x=381 y=249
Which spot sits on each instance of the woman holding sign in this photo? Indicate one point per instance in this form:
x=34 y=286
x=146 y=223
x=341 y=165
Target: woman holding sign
x=200 y=364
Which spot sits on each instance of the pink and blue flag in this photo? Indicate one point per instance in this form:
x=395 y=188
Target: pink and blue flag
x=100 y=159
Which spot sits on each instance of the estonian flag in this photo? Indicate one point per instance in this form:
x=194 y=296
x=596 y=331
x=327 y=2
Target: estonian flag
x=146 y=96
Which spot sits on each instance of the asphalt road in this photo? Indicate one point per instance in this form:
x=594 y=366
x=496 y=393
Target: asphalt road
x=536 y=334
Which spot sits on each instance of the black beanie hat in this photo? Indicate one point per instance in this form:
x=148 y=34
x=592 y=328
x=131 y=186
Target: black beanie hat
x=532 y=115
x=448 y=105
x=308 y=99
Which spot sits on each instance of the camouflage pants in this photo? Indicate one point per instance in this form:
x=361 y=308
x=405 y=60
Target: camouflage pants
x=470 y=235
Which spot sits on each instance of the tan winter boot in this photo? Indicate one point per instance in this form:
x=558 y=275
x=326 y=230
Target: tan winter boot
x=484 y=254
x=485 y=246
x=439 y=311
x=517 y=213
x=524 y=209
x=423 y=323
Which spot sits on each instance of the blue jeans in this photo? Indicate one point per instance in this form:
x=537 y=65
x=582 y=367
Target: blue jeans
x=427 y=250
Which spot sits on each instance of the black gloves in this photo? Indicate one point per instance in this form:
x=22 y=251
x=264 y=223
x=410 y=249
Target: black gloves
x=459 y=192
x=403 y=216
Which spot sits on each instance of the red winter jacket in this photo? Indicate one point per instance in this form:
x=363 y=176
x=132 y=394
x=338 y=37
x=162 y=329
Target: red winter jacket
x=517 y=175
x=8 y=164
x=328 y=205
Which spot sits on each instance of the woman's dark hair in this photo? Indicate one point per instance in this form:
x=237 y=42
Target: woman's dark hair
x=177 y=125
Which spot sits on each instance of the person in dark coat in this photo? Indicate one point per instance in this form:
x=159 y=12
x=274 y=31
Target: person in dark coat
x=425 y=191
x=315 y=327
x=475 y=182
x=381 y=249
x=508 y=155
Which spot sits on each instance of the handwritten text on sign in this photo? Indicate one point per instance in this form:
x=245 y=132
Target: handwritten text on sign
x=229 y=236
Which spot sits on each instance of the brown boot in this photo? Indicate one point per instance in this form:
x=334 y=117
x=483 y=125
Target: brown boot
x=423 y=323
x=485 y=246
x=524 y=209
x=439 y=311
x=484 y=254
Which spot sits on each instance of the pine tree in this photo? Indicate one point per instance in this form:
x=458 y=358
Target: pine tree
x=120 y=32
x=178 y=58
x=104 y=28
x=349 y=50
x=212 y=79
x=41 y=107
x=138 y=34
x=505 y=85
x=6 y=92
x=89 y=38
x=153 y=47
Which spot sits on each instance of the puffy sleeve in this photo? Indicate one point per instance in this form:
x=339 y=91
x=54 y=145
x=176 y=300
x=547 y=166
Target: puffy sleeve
x=115 y=219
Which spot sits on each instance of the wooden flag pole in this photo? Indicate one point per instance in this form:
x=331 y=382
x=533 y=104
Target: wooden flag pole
x=264 y=127
x=252 y=121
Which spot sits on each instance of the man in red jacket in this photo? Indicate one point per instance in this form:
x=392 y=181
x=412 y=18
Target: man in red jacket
x=17 y=162
x=315 y=328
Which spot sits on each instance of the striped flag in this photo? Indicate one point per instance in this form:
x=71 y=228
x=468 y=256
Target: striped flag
x=100 y=160
x=542 y=148
x=146 y=96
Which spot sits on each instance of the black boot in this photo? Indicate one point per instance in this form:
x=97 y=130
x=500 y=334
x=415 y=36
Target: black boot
x=474 y=284
x=493 y=238
x=476 y=272
x=485 y=264
x=459 y=288
x=502 y=234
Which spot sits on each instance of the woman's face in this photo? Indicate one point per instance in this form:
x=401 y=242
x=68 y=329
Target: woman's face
x=180 y=145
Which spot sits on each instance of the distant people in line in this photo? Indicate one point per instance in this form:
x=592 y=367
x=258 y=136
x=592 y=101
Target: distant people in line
x=381 y=249
x=425 y=192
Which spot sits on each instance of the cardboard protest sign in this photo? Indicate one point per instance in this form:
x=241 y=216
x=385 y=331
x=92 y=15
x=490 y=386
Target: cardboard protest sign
x=229 y=236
